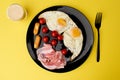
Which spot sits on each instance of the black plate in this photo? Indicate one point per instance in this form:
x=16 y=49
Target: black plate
x=81 y=21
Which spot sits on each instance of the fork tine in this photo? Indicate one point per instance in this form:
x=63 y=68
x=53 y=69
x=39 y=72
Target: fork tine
x=99 y=17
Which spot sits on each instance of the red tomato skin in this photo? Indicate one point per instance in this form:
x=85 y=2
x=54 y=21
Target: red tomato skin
x=53 y=42
x=44 y=29
x=42 y=21
x=60 y=37
x=45 y=39
x=64 y=51
x=54 y=33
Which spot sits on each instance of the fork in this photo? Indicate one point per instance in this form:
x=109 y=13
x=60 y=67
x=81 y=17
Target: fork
x=98 y=20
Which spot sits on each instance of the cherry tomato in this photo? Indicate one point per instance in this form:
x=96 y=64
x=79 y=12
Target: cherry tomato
x=60 y=37
x=44 y=29
x=54 y=33
x=64 y=51
x=54 y=42
x=42 y=20
x=45 y=39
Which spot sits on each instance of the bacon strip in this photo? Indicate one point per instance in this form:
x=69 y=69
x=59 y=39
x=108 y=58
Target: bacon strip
x=50 y=58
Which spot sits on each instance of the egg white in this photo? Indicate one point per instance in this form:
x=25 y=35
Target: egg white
x=73 y=44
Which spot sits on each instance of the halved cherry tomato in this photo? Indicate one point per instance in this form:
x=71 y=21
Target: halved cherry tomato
x=60 y=37
x=45 y=39
x=44 y=29
x=54 y=42
x=64 y=51
x=54 y=33
x=42 y=20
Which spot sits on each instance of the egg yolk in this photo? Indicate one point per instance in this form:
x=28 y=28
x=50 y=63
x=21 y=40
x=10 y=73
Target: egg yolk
x=75 y=32
x=61 y=22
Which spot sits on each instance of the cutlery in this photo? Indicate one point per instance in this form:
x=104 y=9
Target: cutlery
x=98 y=20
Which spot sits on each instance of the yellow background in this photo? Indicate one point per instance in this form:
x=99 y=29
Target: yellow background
x=16 y=63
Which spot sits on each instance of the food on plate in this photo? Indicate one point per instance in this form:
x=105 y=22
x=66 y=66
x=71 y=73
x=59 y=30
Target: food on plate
x=62 y=40
x=42 y=21
x=64 y=51
x=50 y=58
x=61 y=22
x=54 y=33
x=37 y=41
x=75 y=32
x=57 y=20
x=45 y=29
x=60 y=37
x=45 y=39
x=54 y=42
x=73 y=40
x=36 y=28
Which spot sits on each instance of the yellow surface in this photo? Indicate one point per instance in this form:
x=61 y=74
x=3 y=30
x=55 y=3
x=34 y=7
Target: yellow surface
x=16 y=63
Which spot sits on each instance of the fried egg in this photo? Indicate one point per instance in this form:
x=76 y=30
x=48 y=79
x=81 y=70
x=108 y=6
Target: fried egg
x=73 y=40
x=57 y=20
